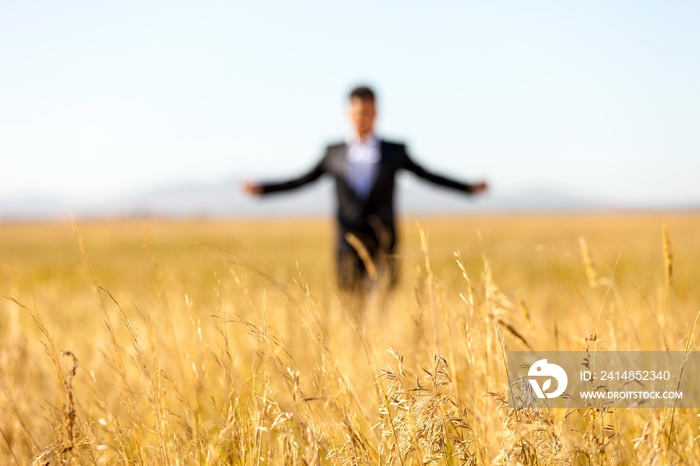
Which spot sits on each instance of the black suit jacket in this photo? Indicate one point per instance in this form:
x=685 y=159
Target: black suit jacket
x=360 y=215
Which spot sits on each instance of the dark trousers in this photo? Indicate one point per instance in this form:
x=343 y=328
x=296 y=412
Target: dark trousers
x=362 y=263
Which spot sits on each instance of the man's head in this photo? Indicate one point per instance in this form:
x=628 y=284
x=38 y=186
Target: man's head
x=362 y=110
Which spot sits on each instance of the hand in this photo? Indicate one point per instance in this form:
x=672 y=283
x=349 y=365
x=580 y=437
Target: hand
x=479 y=188
x=252 y=188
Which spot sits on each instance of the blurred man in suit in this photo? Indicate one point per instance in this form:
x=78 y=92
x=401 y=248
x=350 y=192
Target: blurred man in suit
x=364 y=169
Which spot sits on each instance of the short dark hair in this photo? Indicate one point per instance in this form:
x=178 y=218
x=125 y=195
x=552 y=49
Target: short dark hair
x=362 y=93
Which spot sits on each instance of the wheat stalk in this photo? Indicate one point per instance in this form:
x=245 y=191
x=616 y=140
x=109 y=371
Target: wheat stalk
x=591 y=272
x=668 y=262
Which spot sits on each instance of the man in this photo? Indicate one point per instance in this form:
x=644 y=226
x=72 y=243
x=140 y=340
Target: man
x=364 y=169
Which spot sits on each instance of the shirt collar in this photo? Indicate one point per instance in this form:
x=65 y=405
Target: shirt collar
x=354 y=139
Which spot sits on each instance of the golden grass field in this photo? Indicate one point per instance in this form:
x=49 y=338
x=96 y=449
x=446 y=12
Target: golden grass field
x=225 y=342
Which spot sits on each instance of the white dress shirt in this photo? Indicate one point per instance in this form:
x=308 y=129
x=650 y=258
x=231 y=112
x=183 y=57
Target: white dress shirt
x=362 y=163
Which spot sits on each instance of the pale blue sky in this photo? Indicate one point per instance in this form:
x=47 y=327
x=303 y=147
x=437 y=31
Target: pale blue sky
x=593 y=98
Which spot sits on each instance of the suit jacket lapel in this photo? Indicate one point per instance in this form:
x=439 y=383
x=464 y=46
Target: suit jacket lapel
x=341 y=171
x=381 y=172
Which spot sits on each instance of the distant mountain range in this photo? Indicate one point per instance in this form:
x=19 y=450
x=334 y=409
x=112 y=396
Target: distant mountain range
x=225 y=199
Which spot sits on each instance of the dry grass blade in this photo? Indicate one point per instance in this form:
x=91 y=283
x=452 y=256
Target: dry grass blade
x=591 y=272
x=668 y=261
x=362 y=251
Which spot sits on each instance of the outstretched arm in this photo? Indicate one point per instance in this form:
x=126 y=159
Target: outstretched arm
x=266 y=188
x=411 y=165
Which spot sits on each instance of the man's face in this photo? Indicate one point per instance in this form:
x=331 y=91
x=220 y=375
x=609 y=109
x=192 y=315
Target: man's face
x=362 y=115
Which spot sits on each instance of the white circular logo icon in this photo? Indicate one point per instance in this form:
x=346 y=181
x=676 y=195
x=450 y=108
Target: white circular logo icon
x=543 y=369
